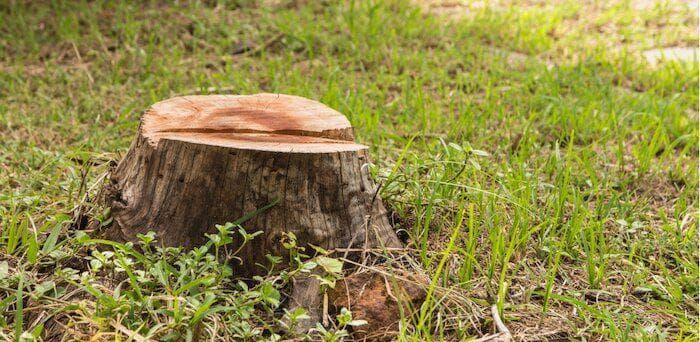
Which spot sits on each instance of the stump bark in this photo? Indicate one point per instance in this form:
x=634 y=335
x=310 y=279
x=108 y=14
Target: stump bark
x=198 y=161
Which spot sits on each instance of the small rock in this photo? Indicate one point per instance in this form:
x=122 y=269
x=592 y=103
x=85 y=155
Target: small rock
x=687 y=54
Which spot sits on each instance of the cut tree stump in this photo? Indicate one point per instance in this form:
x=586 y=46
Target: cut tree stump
x=199 y=161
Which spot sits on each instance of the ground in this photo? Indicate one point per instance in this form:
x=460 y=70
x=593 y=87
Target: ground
x=535 y=159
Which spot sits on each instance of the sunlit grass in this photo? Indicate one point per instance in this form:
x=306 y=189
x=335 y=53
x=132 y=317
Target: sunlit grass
x=561 y=187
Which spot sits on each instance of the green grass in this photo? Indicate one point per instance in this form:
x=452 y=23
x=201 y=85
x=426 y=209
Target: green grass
x=561 y=187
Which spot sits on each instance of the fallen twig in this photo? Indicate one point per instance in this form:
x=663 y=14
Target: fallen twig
x=499 y=324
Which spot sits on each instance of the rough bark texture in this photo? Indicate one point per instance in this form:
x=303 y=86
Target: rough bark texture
x=199 y=161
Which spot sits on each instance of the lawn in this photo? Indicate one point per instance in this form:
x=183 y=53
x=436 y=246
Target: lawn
x=533 y=160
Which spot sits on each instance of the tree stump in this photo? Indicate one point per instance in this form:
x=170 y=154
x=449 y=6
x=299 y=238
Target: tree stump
x=199 y=161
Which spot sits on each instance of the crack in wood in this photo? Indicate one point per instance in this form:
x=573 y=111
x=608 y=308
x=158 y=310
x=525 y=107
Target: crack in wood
x=329 y=136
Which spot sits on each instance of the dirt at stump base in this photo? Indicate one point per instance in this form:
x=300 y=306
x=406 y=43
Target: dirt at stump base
x=375 y=298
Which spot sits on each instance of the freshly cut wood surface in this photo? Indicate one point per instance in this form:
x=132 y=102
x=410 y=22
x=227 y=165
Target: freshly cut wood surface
x=271 y=122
